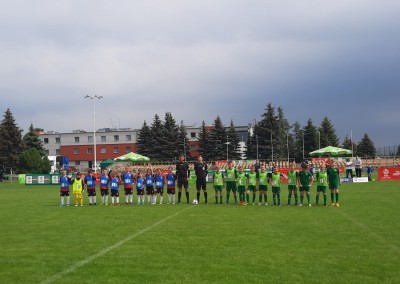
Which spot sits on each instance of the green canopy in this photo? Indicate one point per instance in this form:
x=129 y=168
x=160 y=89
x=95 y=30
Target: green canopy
x=132 y=157
x=106 y=163
x=331 y=151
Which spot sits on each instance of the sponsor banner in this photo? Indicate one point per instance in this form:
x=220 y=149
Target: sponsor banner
x=360 y=179
x=346 y=179
x=388 y=174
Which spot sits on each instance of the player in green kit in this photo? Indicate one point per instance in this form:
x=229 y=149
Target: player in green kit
x=275 y=181
x=292 y=184
x=333 y=182
x=230 y=181
x=251 y=184
x=262 y=178
x=241 y=185
x=218 y=182
x=304 y=180
x=322 y=183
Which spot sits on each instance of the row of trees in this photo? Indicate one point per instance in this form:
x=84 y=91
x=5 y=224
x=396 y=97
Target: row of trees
x=21 y=153
x=274 y=137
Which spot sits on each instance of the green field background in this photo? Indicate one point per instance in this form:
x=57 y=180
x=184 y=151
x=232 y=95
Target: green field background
x=358 y=242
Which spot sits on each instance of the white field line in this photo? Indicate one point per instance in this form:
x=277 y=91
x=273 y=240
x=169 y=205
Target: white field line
x=93 y=257
x=374 y=235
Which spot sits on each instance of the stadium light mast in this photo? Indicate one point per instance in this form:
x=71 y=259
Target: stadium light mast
x=272 y=149
x=227 y=147
x=287 y=145
x=303 y=143
x=93 y=98
x=184 y=147
x=319 y=139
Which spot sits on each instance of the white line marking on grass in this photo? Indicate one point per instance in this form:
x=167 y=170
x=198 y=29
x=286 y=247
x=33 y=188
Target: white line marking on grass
x=371 y=233
x=83 y=262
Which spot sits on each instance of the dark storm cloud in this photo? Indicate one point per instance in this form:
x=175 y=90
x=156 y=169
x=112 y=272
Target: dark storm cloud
x=200 y=60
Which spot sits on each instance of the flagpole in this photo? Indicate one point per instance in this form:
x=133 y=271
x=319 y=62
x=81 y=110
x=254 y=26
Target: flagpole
x=351 y=139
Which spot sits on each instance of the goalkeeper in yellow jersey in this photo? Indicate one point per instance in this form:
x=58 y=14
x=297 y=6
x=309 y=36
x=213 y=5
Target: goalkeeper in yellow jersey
x=77 y=188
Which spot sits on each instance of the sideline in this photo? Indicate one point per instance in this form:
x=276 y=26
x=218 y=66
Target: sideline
x=376 y=236
x=93 y=257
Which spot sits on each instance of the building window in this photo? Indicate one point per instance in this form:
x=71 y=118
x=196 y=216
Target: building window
x=58 y=140
x=76 y=151
x=46 y=140
x=115 y=150
x=192 y=134
x=77 y=163
x=128 y=150
x=103 y=139
x=90 y=150
x=128 y=137
x=46 y=152
x=116 y=138
x=76 y=139
x=57 y=152
x=103 y=150
x=90 y=139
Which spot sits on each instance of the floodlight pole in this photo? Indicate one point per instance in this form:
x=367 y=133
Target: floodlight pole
x=94 y=126
x=184 y=147
x=303 y=144
x=227 y=148
x=287 y=145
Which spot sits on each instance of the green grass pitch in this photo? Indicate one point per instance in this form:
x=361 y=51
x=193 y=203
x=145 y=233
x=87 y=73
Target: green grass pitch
x=356 y=243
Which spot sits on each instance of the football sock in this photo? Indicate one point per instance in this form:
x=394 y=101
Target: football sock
x=179 y=196
x=332 y=197
x=94 y=199
x=235 y=196
x=317 y=199
x=169 y=198
x=260 y=198
x=173 y=198
x=148 y=198
x=289 y=198
x=67 y=200
x=216 y=198
x=205 y=197
x=62 y=200
x=227 y=197
x=220 y=199
x=324 y=199
x=337 y=197
x=112 y=199
x=308 y=198
x=296 y=198
x=187 y=196
x=155 y=199
x=161 y=199
x=265 y=198
x=254 y=197
x=117 y=200
x=130 y=198
x=102 y=199
x=198 y=196
x=247 y=198
x=279 y=197
x=274 y=198
x=301 y=198
x=106 y=198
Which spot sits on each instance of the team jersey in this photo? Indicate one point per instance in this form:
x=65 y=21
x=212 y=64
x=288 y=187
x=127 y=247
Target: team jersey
x=252 y=178
x=218 y=179
x=241 y=179
x=114 y=185
x=139 y=183
x=90 y=182
x=128 y=180
x=104 y=182
x=77 y=186
x=230 y=175
x=149 y=180
x=171 y=180
x=292 y=177
x=322 y=178
x=159 y=181
x=333 y=175
x=64 y=183
x=276 y=179
x=304 y=178
x=262 y=178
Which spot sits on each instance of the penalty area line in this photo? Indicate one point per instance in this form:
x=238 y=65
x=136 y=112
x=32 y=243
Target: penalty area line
x=101 y=253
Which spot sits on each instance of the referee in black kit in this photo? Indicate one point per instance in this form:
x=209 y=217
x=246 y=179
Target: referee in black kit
x=201 y=170
x=182 y=175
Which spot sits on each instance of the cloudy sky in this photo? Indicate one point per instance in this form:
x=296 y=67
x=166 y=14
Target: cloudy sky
x=200 y=59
